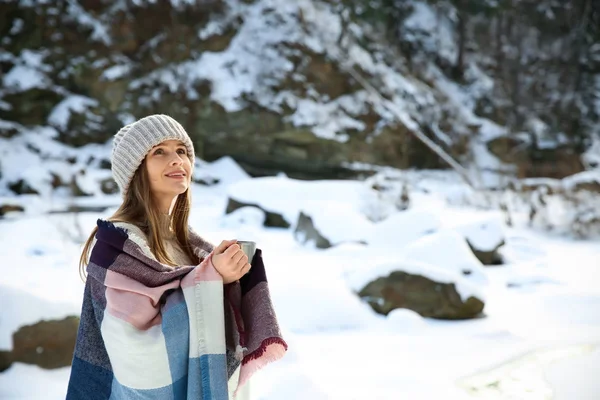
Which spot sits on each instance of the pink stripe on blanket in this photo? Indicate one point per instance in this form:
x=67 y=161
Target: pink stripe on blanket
x=131 y=301
x=205 y=272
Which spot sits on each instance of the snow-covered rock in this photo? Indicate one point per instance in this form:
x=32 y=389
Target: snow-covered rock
x=404 y=227
x=251 y=216
x=224 y=171
x=447 y=250
x=484 y=233
x=427 y=289
x=327 y=226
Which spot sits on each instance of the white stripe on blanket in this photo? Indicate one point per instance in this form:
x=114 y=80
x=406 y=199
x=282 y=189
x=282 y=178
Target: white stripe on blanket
x=130 y=349
x=209 y=337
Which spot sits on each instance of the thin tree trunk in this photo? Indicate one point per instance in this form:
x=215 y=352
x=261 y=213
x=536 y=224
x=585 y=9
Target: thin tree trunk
x=460 y=59
x=462 y=32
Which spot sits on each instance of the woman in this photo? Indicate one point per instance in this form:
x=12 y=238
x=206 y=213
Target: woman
x=166 y=315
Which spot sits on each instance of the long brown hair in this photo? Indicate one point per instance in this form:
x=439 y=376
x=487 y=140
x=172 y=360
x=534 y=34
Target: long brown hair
x=139 y=208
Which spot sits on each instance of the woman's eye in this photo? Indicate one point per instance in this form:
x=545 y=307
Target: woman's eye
x=159 y=151
x=181 y=151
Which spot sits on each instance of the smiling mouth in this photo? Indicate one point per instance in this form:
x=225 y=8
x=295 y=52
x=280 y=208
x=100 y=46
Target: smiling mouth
x=176 y=175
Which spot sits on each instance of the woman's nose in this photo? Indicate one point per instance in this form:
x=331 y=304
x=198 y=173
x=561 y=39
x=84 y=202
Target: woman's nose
x=176 y=160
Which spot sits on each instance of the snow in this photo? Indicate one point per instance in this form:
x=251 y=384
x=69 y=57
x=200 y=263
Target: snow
x=116 y=72
x=60 y=115
x=569 y=382
x=582 y=177
x=435 y=31
x=100 y=31
x=328 y=118
x=447 y=249
x=484 y=231
x=23 y=78
x=28 y=72
x=402 y=228
x=35 y=157
x=337 y=222
x=539 y=300
x=292 y=196
x=225 y=169
x=49 y=384
x=251 y=216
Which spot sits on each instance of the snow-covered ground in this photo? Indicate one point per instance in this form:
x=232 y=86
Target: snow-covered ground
x=539 y=335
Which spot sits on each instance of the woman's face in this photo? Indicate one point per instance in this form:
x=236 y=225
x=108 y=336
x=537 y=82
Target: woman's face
x=169 y=171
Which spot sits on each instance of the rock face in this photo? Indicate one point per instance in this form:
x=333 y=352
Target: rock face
x=47 y=344
x=420 y=294
x=109 y=69
x=260 y=82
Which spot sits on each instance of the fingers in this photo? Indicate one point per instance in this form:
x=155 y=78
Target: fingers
x=232 y=250
x=240 y=258
x=246 y=268
x=225 y=244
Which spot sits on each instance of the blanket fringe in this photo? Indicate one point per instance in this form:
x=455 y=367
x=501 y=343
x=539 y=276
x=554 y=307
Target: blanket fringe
x=263 y=348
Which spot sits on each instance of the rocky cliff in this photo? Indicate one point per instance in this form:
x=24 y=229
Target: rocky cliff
x=305 y=87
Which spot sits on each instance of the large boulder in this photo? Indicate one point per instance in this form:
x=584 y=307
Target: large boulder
x=47 y=344
x=421 y=294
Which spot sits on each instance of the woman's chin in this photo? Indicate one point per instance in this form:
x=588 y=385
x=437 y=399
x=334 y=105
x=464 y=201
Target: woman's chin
x=176 y=190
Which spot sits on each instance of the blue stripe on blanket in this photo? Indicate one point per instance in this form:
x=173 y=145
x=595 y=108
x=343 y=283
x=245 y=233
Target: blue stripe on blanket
x=214 y=386
x=176 y=329
x=97 y=381
x=120 y=392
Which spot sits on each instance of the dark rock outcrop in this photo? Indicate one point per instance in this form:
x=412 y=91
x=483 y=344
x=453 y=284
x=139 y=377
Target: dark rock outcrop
x=306 y=231
x=6 y=208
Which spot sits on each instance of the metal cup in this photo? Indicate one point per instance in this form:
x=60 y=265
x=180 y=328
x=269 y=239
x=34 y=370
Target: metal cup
x=248 y=247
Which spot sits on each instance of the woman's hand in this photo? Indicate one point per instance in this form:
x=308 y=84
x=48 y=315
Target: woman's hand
x=230 y=261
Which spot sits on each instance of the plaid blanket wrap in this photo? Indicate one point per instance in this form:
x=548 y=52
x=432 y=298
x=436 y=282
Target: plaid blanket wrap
x=148 y=331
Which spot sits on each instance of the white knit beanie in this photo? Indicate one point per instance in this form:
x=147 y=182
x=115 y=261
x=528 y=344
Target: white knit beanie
x=134 y=141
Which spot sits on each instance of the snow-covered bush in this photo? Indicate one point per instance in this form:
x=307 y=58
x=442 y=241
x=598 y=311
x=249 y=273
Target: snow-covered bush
x=570 y=205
